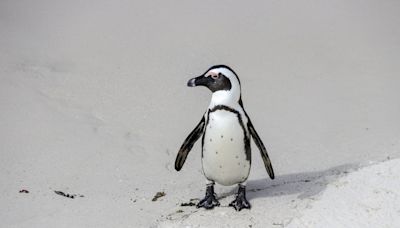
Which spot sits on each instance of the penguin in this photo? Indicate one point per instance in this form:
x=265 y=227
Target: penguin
x=226 y=131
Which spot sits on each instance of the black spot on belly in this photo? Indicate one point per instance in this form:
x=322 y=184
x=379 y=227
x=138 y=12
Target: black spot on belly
x=237 y=157
x=222 y=136
x=231 y=139
x=210 y=139
x=220 y=166
x=238 y=163
x=216 y=152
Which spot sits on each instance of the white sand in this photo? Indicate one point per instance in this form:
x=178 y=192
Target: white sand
x=93 y=101
x=367 y=198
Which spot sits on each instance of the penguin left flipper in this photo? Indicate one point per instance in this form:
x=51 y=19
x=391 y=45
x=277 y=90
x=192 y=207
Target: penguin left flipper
x=263 y=151
x=188 y=144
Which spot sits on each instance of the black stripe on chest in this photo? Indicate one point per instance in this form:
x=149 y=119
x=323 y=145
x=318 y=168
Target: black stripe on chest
x=239 y=116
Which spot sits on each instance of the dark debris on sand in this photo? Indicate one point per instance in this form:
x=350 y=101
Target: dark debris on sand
x=71 y=196
x=158 y=195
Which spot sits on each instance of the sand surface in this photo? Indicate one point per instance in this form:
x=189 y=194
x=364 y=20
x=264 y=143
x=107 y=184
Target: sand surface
x=94 y=104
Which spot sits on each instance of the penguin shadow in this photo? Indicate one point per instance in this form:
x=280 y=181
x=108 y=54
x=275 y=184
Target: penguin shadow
x=305 y=185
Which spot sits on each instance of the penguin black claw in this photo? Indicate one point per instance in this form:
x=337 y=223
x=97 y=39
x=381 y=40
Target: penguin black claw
x=210 y=200
x=240 y=202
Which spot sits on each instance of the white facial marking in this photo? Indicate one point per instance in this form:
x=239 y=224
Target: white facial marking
x=211 y=73
x=225 y=97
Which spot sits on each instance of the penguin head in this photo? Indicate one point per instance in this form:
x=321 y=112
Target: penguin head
x=223 y=83
x=217 y=78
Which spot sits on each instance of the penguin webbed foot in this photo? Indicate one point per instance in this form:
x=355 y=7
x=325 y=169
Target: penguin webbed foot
x=240 y=202
x=210 y=200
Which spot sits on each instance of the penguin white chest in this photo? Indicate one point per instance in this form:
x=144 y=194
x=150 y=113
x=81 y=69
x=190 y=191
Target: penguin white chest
x=224 y=157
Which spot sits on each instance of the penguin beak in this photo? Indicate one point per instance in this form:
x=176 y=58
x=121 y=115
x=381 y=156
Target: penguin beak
x=198 y=81
x=191 y=82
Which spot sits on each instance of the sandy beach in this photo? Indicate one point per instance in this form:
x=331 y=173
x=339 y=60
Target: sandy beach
x=94 y=108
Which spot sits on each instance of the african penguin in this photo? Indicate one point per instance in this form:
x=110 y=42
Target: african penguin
x=226 y=131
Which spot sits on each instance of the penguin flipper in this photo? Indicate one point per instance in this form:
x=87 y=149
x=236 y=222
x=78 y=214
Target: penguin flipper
x=188 y=144
x=263 y=151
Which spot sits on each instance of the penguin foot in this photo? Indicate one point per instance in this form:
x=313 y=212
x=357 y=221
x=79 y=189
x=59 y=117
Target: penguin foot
x=240 y=202
x=210 y=200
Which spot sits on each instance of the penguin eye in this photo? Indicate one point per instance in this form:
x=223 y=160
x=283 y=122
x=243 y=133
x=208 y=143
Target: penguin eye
x=215 y=76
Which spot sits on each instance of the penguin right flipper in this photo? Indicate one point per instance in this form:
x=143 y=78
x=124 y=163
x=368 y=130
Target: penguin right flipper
x=263 y=151
x=188 y=144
